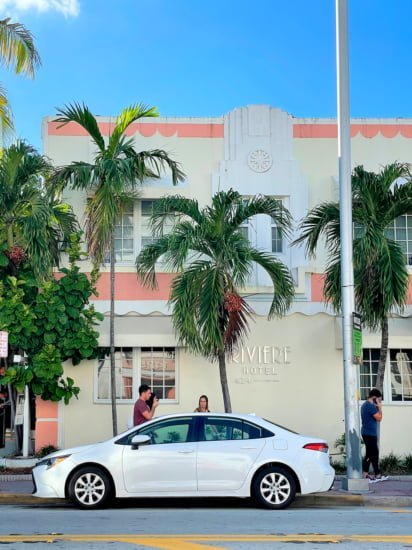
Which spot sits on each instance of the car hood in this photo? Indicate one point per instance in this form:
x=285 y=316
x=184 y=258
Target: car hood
x=73 y=450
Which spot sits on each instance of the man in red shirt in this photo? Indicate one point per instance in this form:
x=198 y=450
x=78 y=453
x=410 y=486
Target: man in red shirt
x=142 y=412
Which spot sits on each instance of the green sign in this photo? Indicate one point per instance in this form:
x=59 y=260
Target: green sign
x=357 y=338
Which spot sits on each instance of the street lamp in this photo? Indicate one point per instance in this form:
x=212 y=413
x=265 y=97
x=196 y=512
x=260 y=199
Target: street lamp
x=354 y=480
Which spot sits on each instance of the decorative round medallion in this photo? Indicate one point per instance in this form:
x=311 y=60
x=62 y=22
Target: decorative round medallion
x=259 y=160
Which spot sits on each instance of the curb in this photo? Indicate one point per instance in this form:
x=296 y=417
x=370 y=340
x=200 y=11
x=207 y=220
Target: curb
x=25 y=499
x=15 y=477
x=330 y=500
x=304 y=501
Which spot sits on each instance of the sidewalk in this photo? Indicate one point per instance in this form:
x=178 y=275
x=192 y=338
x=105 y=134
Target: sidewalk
x=396 y=492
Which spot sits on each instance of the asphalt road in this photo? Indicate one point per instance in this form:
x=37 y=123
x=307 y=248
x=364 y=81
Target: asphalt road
x=226 y=524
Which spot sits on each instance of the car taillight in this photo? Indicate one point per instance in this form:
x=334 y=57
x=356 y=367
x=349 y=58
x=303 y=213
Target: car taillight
x=321 y=447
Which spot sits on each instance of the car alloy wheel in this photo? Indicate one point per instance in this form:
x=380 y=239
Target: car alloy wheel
x=274 y=488
x=90 y=487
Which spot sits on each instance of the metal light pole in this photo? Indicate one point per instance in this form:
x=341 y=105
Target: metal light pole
x=353 y=481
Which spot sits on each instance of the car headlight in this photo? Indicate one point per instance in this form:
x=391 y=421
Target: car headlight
x=52 y=461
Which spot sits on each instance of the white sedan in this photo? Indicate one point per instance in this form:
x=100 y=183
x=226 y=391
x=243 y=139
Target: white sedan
x=190 y=455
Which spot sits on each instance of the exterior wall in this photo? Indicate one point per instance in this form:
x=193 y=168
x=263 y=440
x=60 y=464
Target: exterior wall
x=288 y=370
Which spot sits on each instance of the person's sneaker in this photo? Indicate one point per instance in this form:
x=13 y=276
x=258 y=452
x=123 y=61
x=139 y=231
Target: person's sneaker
x=381 y=478
x=371 y=479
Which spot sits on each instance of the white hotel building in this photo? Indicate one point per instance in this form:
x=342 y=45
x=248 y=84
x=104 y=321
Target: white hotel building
x=289 y=370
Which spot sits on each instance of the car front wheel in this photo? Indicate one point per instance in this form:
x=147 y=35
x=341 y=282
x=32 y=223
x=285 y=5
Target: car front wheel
x=90 y=487
x=274 y=487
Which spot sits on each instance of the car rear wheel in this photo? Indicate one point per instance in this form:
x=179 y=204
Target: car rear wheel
x=90 y=487
x=274 y=487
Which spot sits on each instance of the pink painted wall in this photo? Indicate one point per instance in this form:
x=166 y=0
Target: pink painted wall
x=46 y=432
x=128 y=287
x=317 y=281
x=366 y=130
x=146 y=129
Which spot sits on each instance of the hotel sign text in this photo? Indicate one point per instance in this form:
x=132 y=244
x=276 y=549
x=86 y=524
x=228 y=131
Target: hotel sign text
x=261 y=363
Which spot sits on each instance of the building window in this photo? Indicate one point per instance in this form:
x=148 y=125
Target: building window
x=277 y=239
x=124 y=375
x=244 y=229
x=123 y=237
x=401 y=374
x=146 y=210
x=401 y=231
x=368 y=371
x=397 y=385
x=158 y=370
x=134 y=366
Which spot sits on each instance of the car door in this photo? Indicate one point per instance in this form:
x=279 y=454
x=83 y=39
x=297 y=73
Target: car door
x=227 y=450
x=167 y=464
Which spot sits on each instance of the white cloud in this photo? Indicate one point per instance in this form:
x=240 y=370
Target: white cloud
x=69 y=8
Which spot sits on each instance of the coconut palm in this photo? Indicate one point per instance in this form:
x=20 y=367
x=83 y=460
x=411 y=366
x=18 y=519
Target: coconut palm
x=112 y=180
x=34 y=223
x=18 y=52
x=213 y=260
x=380 y=273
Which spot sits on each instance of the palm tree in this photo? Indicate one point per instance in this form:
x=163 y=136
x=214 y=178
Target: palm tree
x=34 y=223
x=17 y=51
x=213 y=260
x=112 y=180
x=380 y=274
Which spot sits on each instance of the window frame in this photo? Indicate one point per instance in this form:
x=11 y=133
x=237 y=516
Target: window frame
x=387 y=385
x=136 y=378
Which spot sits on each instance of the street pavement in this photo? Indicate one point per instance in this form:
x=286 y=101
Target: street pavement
x=394 y=493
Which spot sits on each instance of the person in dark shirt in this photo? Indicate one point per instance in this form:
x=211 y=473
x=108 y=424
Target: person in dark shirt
x=371 y=414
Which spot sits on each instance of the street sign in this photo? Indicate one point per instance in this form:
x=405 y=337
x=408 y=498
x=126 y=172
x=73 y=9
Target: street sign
x=18 y=419
x=357 y=338
x=4 y=343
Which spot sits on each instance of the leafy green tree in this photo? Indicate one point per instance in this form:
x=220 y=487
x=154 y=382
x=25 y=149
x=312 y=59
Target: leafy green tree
x=50 y=324
x=213 y=260
x=112 y=179
x=18 y=52
x=34 y=223
x=380 y=273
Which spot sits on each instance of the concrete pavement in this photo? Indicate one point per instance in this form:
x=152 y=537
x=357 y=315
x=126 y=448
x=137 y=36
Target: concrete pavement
x=396 y=492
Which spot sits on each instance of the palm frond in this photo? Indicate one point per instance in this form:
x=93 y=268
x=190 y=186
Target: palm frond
x=6 y=117
x=282 y=281
x=17 y=48
x=82 y=115
x=174 y=206
x=323 y=220
x=78 y=175
x=157 y=160
x=260 y=204
x=128 y=116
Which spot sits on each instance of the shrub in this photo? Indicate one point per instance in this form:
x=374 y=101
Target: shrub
x=391 y=464
x=46 y=450
x=339 y=467
x=407 y=463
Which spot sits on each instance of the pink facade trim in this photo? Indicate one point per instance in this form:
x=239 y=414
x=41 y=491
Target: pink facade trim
x=146 y=129
x=317 y=282
x=46 y=423
x=128 y=287
x=366 y=130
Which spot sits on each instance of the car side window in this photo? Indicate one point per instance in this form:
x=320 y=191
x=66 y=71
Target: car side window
x=169 y=431
x=229 y=429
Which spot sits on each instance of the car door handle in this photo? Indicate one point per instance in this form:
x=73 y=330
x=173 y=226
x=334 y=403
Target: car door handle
x=248 y=447
x=186 y=452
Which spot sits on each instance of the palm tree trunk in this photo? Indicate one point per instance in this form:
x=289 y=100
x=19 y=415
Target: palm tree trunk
x=112 y=347
x=383 y=354
x=223 y=382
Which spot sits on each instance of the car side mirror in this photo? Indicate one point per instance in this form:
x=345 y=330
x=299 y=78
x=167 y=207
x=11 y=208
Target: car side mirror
x=139 y=440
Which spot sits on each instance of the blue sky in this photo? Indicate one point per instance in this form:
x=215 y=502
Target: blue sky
x=206 y=57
